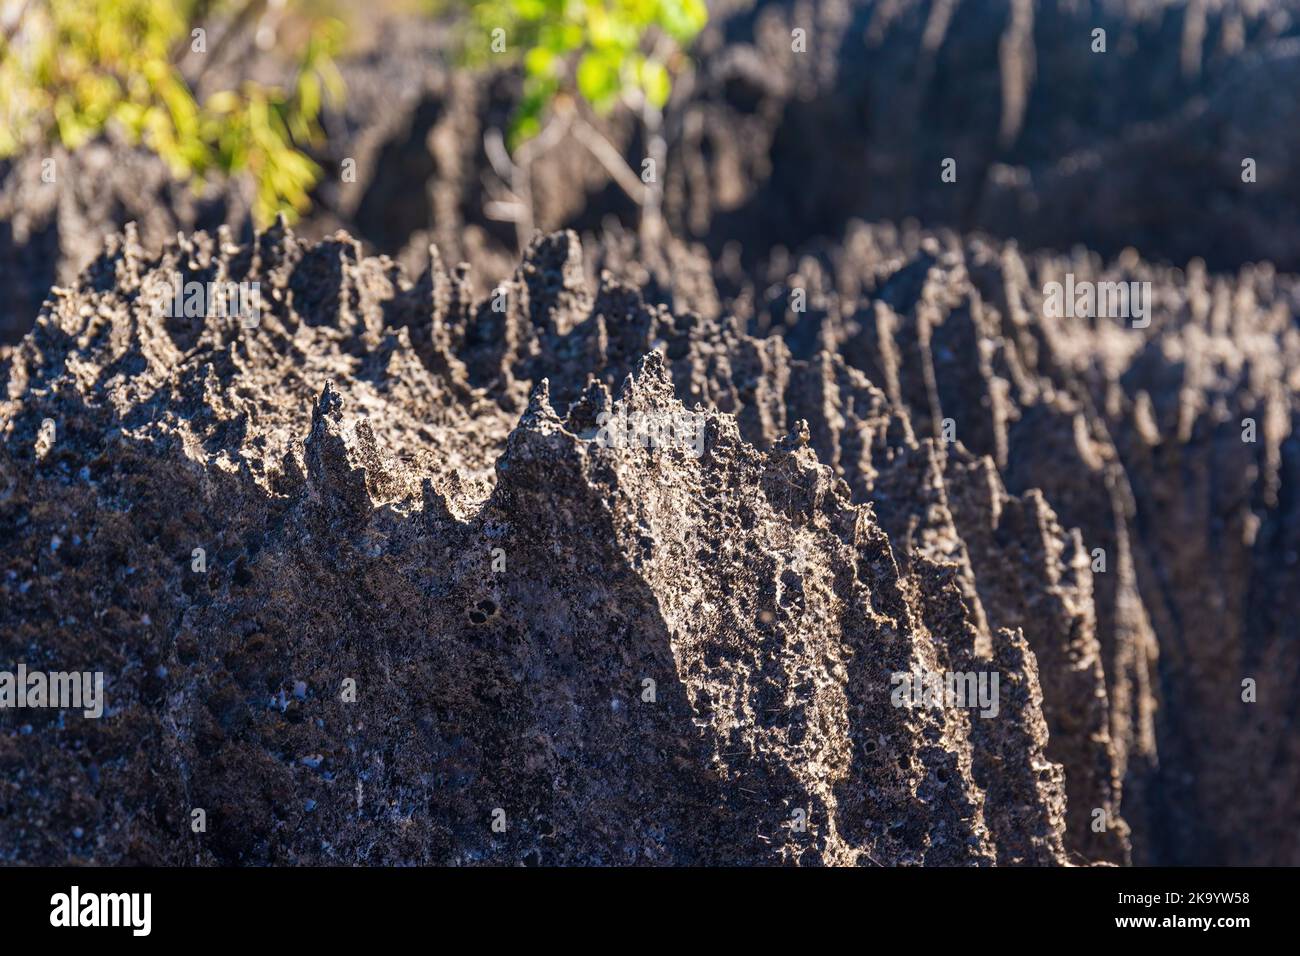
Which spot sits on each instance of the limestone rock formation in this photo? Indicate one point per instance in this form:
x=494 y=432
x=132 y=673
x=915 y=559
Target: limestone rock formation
x=441 y=618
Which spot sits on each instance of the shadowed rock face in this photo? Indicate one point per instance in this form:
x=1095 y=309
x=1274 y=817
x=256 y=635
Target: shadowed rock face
x=1055 y=143
x=1171 y=447
x=641 y=654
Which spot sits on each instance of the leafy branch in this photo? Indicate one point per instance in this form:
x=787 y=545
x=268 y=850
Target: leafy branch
x=598 y=52
x=72 y=69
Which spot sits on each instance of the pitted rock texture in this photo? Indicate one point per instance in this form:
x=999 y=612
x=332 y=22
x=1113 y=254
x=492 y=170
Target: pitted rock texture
x=638 y=655
x=676 y=658
x=1171 y=447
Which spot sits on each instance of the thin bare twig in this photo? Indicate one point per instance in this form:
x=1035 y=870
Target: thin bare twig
x=516 y=173
x=609 y=157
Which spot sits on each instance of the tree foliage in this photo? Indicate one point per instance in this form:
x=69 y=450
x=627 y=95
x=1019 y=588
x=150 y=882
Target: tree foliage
x=605 y=50
x=71 y=69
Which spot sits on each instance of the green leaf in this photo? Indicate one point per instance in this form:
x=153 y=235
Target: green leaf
x=527 y=120
x=683 y=19
x=539 y=61
x=655 y=83
x=598 y=78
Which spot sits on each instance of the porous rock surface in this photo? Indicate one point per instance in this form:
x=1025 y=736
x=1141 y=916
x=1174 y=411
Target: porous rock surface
x=1171 y=447
x=351 y=484
x=634 y=655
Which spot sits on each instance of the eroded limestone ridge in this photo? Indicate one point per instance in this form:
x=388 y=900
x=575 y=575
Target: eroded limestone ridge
x=1169 y=440
x=441 y=619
